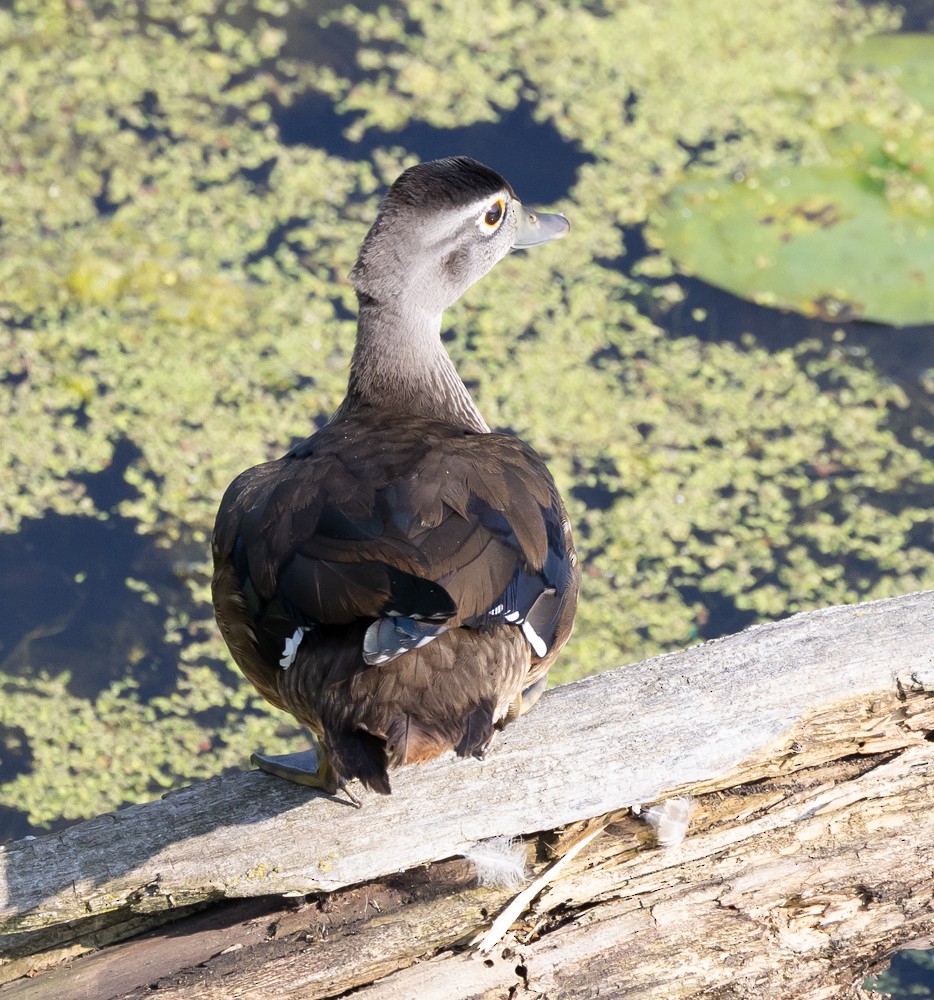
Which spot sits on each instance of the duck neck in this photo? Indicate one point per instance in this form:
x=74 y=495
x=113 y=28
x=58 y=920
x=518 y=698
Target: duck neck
x=400 y=364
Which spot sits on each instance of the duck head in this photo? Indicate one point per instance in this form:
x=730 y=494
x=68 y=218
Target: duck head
x=442 y=226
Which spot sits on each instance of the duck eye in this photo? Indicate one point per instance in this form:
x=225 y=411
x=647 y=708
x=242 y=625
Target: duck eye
x=493 y=215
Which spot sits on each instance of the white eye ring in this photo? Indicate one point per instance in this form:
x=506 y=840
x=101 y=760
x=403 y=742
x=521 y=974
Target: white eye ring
x=492 y=217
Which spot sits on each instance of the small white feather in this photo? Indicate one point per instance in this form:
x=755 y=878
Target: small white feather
x=669 y=820
x=499 y=862
x=290 y=649
x=534 y=639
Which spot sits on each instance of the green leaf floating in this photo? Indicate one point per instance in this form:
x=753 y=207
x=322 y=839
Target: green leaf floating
x=908 y=57
x=853 y=239
x=825 y=241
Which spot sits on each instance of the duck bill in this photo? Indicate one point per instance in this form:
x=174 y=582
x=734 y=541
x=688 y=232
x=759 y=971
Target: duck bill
x=538 y=227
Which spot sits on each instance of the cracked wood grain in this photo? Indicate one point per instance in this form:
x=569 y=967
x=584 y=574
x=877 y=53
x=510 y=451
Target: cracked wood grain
x=717 y=720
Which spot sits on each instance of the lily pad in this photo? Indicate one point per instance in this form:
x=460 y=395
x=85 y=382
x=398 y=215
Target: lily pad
x=835 y=241
x=909 y=57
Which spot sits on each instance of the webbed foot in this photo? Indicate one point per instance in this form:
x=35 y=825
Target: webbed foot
x=305 y=767
x=526 y=700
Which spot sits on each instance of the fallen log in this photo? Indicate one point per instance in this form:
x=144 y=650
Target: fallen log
x=806 y=744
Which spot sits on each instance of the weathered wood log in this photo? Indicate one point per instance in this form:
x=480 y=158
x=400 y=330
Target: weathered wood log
x=798 y=870
x=790 y=886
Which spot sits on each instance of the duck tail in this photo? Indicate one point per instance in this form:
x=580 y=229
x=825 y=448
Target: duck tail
x=361 y=755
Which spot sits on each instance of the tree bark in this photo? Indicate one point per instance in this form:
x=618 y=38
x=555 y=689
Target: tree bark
x=807 y=744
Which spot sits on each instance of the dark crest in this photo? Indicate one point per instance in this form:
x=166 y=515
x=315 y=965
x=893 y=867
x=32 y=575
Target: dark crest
x=451 y=182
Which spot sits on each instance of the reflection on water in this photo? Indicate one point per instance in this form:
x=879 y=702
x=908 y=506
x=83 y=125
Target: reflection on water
x=89 y=598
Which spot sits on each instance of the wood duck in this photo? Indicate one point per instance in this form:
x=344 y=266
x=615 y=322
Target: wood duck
x=402 y=580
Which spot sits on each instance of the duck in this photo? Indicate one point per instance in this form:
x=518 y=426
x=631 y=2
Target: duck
x=402 y=581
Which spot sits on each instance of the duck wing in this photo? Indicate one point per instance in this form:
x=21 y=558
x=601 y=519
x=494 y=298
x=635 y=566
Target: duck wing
x=374 y=538
x=414 y=524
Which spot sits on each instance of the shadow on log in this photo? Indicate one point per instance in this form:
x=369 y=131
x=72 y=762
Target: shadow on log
x=806 y=745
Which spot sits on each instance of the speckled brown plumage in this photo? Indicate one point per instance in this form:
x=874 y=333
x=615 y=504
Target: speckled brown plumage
x=399 y=579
